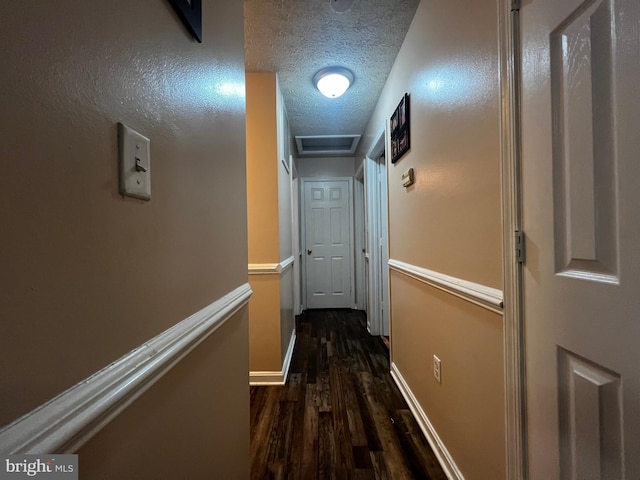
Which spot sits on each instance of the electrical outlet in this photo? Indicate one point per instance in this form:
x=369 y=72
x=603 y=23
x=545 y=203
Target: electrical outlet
x=437 y=369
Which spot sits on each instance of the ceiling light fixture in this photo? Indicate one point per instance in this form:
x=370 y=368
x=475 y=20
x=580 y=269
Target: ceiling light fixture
x=333 y=81
x=341 y=6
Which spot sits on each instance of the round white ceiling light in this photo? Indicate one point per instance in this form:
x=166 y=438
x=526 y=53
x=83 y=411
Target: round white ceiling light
x=341 y=5
x=333 y=81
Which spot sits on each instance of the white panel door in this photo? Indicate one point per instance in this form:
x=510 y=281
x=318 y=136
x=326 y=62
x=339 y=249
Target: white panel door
x=581 y=194
x=328 y=249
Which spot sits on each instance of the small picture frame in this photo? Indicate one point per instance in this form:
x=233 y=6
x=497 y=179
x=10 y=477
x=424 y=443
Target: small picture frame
x=399 y=126
x=394 y=123
x=403 y=142
x=402 y=115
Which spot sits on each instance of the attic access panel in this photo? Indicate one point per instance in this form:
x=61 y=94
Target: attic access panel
x=327 y=144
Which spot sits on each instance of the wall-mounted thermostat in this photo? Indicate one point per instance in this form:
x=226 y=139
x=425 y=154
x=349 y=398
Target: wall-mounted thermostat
x=408 y=178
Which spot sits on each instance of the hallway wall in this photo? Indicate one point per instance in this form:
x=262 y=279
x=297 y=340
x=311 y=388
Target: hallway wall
x=87 y=275
x=271 y=321
x=327 y=167
x=449 y=223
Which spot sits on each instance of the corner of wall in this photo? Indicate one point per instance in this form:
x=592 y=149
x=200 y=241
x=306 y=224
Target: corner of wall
x=269 y=174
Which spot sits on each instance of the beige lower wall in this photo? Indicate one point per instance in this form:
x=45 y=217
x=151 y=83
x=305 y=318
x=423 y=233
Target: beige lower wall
x=467 y=408
x=265 y=337
x=193 y=423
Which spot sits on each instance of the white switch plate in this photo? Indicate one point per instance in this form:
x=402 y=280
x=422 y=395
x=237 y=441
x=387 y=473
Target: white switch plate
x=437 y=369
x=134 y=152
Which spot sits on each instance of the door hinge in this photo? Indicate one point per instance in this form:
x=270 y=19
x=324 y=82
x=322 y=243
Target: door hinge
x=515 y=5
x=521 y=254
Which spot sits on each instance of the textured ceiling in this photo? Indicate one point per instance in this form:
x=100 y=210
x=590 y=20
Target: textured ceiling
x=296 y=38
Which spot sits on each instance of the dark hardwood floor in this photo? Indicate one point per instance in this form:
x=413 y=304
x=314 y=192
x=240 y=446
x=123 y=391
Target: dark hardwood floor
x=340 y=415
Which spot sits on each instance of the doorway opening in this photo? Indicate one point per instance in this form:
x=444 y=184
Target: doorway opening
x=328 y=238
x=377 y=238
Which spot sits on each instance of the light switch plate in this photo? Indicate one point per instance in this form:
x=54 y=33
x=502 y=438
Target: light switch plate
x=134 y=152
x=437 y=369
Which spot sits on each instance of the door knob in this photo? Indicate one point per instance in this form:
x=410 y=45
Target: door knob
x=309 y=252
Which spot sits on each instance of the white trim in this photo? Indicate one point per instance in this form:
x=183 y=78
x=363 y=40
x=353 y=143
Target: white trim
x=295 y=239
x=286 y=263
x=264 y=269
x=329 y=150
x=270 y=268
x=510 y=138
x=487 y=297
x=289 y=355
x=359 y=244
x=264 y=379
x=69 y=420
x=359 y=175
x=377 y=225
x=377 y=147
x=445 y=459
x=275 y=378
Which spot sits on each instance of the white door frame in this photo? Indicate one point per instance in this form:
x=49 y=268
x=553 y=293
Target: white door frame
x=376 y=208
x=295 y=237
x=514 y=361
x=359 y=247
x=304 y=181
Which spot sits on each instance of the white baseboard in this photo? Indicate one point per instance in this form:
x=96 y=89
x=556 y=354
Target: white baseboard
x=66 y=422
x=275 y=378
x=265 y=379
x=439 y=449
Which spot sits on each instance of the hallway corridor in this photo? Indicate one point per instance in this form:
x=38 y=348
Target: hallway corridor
x=340 y=415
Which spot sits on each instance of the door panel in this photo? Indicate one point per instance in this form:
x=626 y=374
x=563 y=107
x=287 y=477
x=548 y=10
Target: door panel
x=580 y=172
x=581 y=61
x=329 y=252
x=591 y=419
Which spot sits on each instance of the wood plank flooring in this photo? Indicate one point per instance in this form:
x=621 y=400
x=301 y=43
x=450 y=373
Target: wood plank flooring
x=340 y=415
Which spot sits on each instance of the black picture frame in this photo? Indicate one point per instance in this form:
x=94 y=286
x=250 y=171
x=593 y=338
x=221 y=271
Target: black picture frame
x=190 y=12
x=402 y=114
x=399 y=125
x=403 y=142
x=394 y=123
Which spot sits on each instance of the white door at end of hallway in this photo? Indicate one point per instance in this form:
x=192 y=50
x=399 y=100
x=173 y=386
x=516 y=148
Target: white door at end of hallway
x=580 y=174
x=328 y=244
